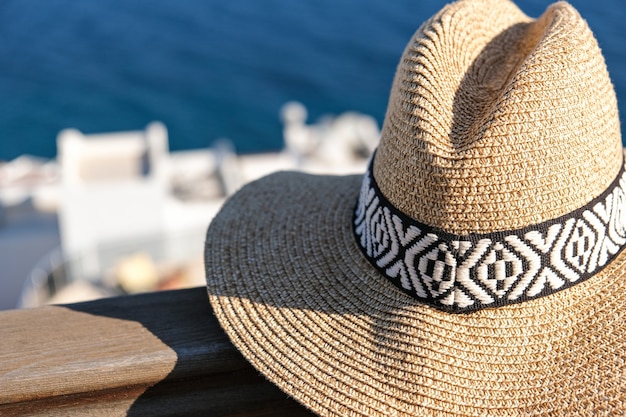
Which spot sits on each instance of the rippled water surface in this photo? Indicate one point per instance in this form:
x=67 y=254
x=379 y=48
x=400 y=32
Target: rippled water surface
x=214 y=68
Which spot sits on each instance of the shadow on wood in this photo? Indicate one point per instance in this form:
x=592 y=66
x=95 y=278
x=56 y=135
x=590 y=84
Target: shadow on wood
x=157 y=354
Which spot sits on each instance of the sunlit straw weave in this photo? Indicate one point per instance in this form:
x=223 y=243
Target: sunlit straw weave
x=496 y=122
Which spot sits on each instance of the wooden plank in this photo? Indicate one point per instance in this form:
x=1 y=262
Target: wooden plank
x=152 y=354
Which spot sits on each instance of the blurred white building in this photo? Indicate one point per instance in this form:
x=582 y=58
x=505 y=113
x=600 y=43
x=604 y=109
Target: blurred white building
x=113 y=189
x=118 y=210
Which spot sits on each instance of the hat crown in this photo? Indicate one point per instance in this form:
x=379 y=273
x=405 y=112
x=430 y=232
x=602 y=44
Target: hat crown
x=497 y=121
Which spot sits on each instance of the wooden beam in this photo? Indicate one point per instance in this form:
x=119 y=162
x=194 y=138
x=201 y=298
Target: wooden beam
x=156 y=354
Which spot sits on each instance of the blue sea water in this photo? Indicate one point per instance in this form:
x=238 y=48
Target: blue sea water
x=214 y=68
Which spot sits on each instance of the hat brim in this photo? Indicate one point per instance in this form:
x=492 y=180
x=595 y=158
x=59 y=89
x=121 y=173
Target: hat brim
x=291 y=288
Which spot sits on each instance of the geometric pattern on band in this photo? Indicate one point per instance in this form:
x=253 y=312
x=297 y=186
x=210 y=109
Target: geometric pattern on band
x=462 y=274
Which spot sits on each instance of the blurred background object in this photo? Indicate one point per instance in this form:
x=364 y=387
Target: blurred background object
x=131 y=215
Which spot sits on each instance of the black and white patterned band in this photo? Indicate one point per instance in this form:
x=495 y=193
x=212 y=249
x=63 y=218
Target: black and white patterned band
x=468 y=273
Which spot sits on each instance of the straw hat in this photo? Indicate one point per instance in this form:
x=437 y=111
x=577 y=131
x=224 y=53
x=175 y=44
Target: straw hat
x=477 y=267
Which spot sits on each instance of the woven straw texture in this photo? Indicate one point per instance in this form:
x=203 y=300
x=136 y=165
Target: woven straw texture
x=494 y=123
x=497 y=121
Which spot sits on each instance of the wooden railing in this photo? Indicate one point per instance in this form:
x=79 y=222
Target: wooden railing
x=157 y=354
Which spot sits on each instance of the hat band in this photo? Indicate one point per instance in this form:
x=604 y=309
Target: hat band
x=468 y=273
